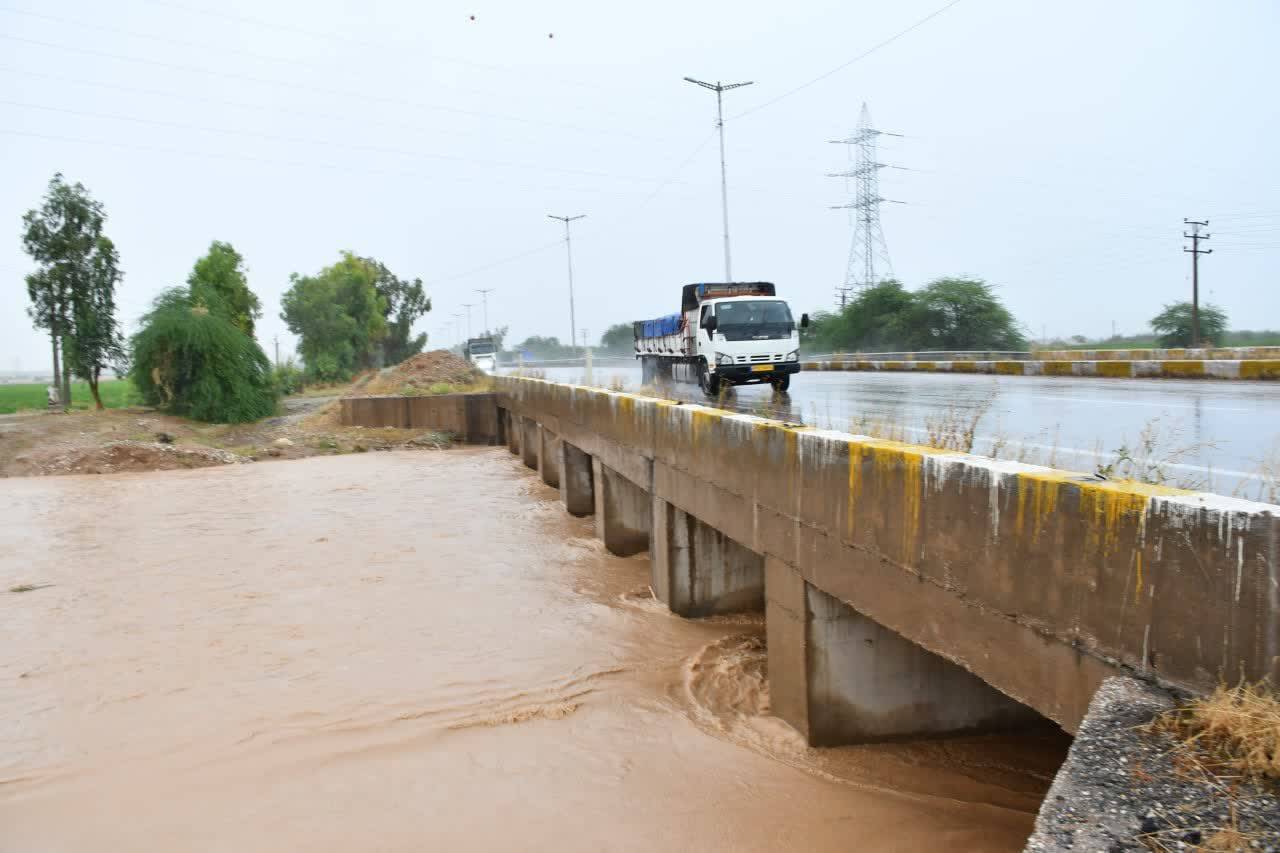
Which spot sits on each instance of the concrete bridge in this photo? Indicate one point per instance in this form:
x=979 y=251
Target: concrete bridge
x=908 y=590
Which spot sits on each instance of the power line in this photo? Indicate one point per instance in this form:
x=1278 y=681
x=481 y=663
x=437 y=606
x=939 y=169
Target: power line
x=311 y=141
x=222 y=49
x=301 y=164
x=383 y=48
x=319 y=90
x=920 y=23
x=484 y=302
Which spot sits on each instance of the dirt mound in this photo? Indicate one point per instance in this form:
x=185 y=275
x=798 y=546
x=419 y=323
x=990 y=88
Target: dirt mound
x=118 y=456
x=419 y=373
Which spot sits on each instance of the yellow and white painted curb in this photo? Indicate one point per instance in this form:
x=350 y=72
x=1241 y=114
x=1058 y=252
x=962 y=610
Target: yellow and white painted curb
x=1117 y=369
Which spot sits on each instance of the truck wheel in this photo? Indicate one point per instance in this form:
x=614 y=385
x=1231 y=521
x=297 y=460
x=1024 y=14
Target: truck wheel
x=705 y=381
x=708 y=381
x=781 y=384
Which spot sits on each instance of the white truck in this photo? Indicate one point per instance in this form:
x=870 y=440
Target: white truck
x=732 y=333
x=483 y=353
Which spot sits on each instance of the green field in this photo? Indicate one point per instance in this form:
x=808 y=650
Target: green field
x=115 y=393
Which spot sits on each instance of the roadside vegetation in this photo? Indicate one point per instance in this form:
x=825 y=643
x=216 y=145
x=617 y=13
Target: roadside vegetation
x=114 y=393
x=191 y=358
x=72 y=291
x=946 y=314
x=353 y=315
x=1227 y=746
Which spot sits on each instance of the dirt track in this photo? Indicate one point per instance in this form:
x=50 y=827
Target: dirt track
x=138 y=439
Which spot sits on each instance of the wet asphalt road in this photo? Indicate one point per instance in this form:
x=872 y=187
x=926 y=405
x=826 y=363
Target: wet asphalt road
x=1216 y=435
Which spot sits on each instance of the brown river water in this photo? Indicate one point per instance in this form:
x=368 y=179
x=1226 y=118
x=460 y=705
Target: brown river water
x=407 y=652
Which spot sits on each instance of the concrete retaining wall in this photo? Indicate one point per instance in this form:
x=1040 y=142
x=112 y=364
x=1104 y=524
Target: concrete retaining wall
x=1112 y=369
x=1039 y=582
x=473 y=417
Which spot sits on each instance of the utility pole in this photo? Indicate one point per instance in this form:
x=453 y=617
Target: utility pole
x=1195 y=237
x=468 y=305
x=585 y=339
x=277 y=339
x=484 y=302
x=568 y=251
x=720 y=88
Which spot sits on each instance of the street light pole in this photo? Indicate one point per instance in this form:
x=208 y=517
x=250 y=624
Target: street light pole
x=720 y=88
x=484 y=302
x=468 y=305
x=568 y=250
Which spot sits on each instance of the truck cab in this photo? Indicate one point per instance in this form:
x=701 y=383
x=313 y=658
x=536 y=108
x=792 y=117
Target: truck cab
x=736 y=333
x=483 y=354
x=741 y=333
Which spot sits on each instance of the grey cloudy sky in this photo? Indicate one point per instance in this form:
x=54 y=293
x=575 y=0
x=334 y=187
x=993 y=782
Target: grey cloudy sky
x=1056 y=148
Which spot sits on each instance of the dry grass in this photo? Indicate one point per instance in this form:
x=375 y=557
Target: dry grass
x=1266 y=485
x=1235 y=730
x=1223 y=741
x=1152 y=459
x=956 y=428
x=887 y=427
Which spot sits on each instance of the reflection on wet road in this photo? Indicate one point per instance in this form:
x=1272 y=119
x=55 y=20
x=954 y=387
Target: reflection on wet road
x=1218 y=435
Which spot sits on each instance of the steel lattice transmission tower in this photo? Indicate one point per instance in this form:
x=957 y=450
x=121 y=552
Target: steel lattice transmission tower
x=867 y=250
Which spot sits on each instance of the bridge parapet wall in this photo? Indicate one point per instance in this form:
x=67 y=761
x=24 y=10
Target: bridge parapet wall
x=1040 y=582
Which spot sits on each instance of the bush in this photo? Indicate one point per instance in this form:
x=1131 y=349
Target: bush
x=287 y=379
x=1173 y=325
x=198 y=363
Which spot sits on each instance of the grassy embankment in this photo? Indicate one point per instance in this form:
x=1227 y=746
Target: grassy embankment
x=116 y=393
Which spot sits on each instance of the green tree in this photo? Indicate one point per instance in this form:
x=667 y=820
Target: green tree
x=539 y=347
x=619 y=338
x=961 y=314
x=1173 y=325
x=874 y=320
x=73 y=291
x=946 y=314
x=338 y=316
x=196 y=362
x=404 y=302
x=218 y=281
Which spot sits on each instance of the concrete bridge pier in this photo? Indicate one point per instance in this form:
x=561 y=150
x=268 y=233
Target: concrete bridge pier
x=549 y=457
x=514 y=428
x=576 y=480
x=697 y=570
x=530 y=441
x=838 y=677
x=623 y=511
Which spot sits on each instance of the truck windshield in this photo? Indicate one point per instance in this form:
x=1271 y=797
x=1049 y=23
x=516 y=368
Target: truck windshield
x=481 y=349
x=756 y=319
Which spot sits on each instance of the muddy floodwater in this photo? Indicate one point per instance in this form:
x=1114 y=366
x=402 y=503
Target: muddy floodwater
x=414 y=651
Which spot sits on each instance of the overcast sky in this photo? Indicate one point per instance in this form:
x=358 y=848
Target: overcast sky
x=1055 y=149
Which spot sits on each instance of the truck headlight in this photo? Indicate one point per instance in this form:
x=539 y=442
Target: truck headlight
x=721 y=358
x=793 y=355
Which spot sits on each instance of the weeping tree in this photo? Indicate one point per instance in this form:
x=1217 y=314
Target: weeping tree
x=219 y=276
x=191 y=358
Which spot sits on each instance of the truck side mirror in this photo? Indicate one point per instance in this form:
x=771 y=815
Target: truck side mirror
x=804 y=321
x=710 y=324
